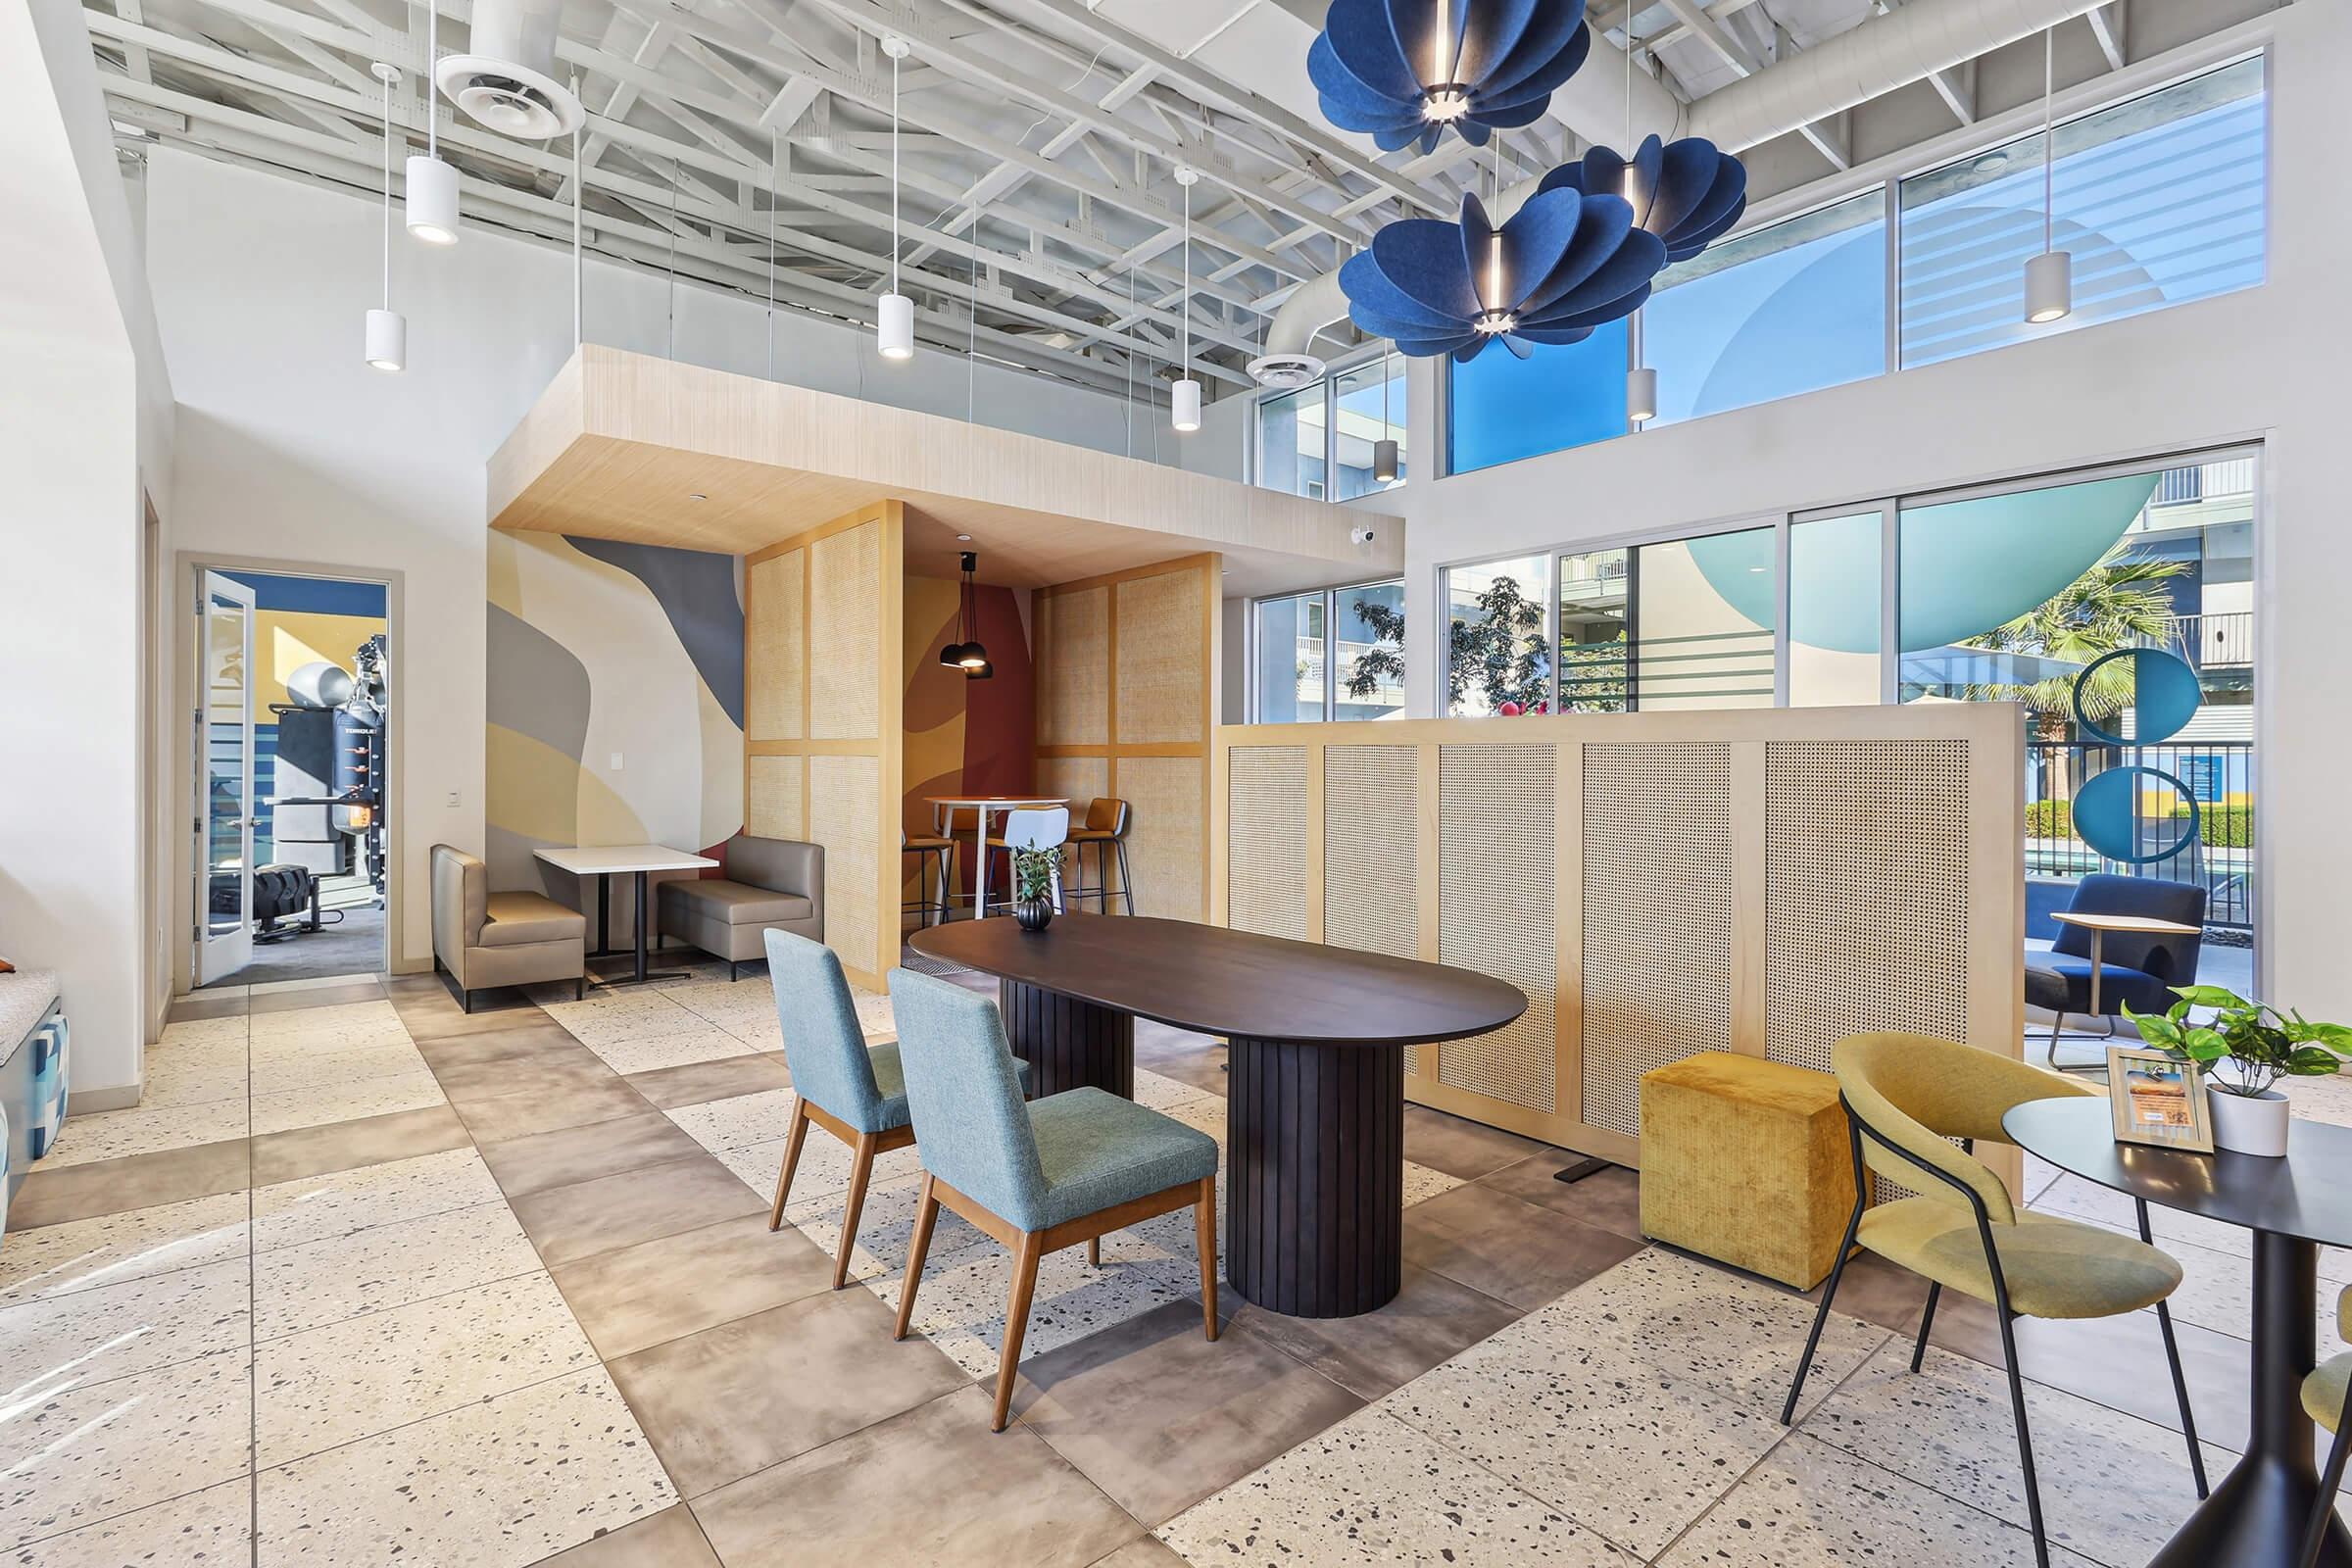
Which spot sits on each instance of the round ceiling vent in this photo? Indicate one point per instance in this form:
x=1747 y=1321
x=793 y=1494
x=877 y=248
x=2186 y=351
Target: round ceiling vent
x=511 y=99
x=1286 y=372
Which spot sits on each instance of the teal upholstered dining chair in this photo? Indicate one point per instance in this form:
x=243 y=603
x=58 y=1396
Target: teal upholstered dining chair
x=852 y=1090
x=1039 y=1177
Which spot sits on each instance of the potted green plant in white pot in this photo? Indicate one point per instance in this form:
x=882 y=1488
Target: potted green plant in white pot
x=2242 y=1052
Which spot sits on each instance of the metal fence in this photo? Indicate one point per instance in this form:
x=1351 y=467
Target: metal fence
x=2220 y=775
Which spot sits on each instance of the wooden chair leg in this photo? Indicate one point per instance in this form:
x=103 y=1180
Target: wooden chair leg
x=1017 y=1321
x=1204 y=1241
x=791 y=1160
x=862 y=1166
x=926 y=1213
x=1094 y=1251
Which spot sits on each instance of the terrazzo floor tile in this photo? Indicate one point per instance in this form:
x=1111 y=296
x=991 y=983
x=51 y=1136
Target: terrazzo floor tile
x=112 y=1331
x=1371 y=1355
x=496 y=1484
x=766 y=1034
x=200 y=1031
x=2113 y=1488
x=670 y=1538
x=1167 y=1093
x=960 y=1301
x=884 y=1226
x=1626 y=1454
x=79 y=1254
x=327 y=1070
x=208 y=1529
x=1808 y=1505
x=364 y=1375
x=1680 y=1318
x=987 y=1500
x=318 y=1209
x=80 y=1452
x=193 y=1072
x=372 y=1097
x=319 y=1023
x=2077 y=1199
x=1372 y=1490
x=707 y=1043
x=115 y=1134
x=299 y=1288
x=741 y=1120
x=2217 y=1290
x=642 y=1017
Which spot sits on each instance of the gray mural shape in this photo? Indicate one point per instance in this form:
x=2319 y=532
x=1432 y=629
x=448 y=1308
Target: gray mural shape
x=536 y=687
x=695 y=590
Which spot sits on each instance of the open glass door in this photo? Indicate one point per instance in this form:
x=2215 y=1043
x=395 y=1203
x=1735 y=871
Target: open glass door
x=225 y=812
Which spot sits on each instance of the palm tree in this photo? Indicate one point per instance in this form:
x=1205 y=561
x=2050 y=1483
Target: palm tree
x=2118 y=602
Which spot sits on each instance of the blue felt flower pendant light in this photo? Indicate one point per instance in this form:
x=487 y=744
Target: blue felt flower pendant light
x=1562 y=264
x=1685 y=193
x=1402 y=70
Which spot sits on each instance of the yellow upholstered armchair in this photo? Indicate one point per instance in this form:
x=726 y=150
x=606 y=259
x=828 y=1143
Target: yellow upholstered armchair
x=1915 y=1108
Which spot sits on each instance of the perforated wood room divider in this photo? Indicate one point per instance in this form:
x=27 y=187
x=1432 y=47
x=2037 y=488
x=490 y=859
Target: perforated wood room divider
x=1762 y=881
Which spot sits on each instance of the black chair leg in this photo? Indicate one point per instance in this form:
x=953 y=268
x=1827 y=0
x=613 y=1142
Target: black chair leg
x=1126 y=882
x=2172 y=1359
x=579 y=989
x=1821 y=1318
x=1927 y=1321
x=2024 y=1443
x=2331 y=1477
x=730 y=971
x=465 y=1000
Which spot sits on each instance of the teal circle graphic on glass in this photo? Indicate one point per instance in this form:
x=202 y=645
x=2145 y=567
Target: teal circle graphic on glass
x=2164 y=698
x=2106 y=816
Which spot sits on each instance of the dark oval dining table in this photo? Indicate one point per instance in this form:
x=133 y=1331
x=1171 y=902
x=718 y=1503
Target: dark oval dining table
x=2292 y=1206
x=1315 y=1106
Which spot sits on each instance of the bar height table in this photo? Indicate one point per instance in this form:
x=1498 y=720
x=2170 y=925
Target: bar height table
x=603 y=861
x=983 y=808
x=1314 y=1110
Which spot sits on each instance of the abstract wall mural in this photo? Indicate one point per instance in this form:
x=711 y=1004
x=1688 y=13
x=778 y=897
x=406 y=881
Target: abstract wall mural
x=964 y=736
x=615 y=700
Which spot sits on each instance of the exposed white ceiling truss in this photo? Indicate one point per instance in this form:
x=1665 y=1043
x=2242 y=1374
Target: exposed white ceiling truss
x=1040 y=219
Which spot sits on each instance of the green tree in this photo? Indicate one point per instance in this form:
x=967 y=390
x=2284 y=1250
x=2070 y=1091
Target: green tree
x=2118 y=602
x=1502 y=648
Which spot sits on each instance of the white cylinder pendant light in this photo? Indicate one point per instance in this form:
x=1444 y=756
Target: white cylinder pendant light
x=1642 y=394
x=387 y=329
x=1386 y=456
x=2049 y=277
x=432 y=185
x=1184 y=401
x=894 y=319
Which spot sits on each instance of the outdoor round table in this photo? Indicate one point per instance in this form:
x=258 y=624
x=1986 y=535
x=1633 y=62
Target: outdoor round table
x=1314 y=1108
x=2294 y=1206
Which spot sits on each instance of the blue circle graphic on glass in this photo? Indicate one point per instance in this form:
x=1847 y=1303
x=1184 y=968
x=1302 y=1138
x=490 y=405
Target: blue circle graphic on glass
x=2107 y=816
x=2165 y=695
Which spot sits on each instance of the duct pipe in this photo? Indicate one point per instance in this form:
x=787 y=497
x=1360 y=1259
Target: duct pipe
x=1881 y=54
x=1885 y=52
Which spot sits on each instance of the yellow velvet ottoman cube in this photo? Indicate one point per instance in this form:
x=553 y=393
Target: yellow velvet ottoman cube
x=1746 y=1161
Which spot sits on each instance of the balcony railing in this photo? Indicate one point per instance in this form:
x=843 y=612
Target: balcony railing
x=2220 y=774
x=2216 y=641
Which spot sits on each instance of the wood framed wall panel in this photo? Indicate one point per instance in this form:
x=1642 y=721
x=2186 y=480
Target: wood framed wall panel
x=776 y=797
x=1711 y=880
x=1266 y=871
x=824 y=616
x=1127 y=668
x=775 y=639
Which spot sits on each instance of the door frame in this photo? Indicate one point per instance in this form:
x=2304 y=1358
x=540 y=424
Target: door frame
x=187 y=564
x=212 y=587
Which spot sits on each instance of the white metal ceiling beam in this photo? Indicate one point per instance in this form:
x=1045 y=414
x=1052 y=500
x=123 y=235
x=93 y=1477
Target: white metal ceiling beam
x=2107 y=25
x=1709 y=30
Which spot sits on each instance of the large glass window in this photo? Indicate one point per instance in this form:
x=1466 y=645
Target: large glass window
x=1289 y=442
x=2013 y=595
x=1835 y=594
x=1497 y=637
x=1596 y=676
x=1337 y=653
x=1704 y=622
x=1783 y=310
x=1371 y=402
x=1504 y=407
x=2159 y=199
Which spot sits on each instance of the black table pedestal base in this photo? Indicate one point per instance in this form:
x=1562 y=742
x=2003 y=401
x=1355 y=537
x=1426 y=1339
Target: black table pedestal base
x=1314 y=1198
x=2262 y=1509
x=1068 y=1044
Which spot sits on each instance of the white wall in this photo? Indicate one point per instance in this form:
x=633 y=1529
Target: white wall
x=2265 y=365
x=289 y=448
x=83 y=402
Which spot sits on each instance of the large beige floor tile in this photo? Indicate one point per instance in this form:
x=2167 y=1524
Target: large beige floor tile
x=497 y=1485
x=630 y=1298
x=81 y=1452
x=115 y=1134
x=109 y=1249
x=321 y=1208
x=1372 y=1490
x=112 y=1331
x=353 y=1379
x=297 y=1288
x=208 y=1529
